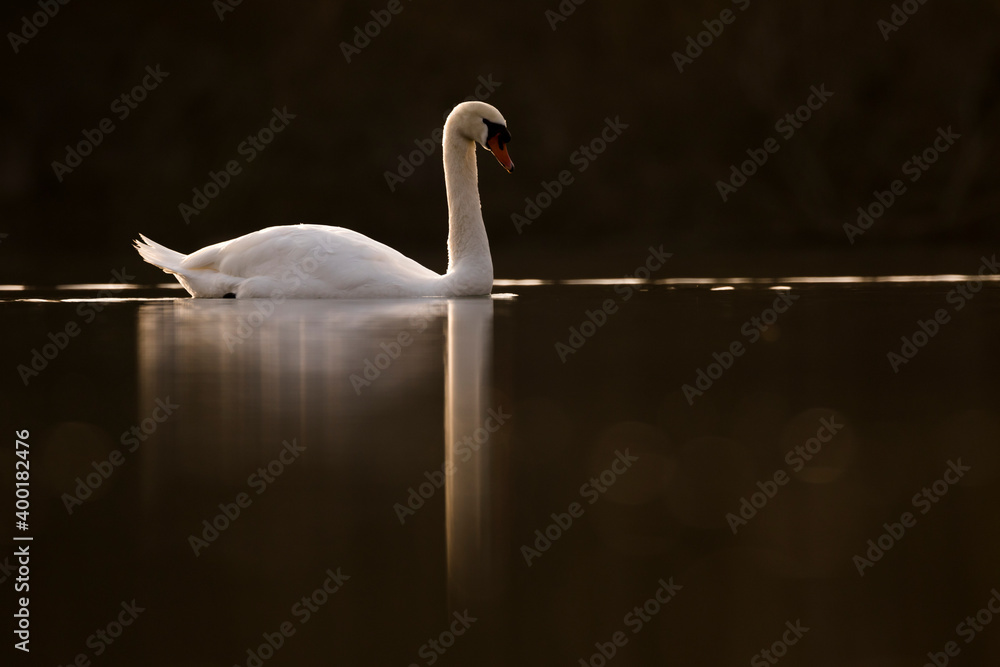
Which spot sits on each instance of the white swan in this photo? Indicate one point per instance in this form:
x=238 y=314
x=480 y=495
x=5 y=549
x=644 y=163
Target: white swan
x=317 y=261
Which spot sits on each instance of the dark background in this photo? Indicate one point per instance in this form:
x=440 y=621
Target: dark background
x=655 y=184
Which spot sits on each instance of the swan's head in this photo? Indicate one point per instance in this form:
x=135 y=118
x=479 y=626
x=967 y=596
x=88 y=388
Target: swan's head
x=482 y=123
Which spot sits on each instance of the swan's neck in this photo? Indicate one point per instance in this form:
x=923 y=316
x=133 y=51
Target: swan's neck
x=470 y=267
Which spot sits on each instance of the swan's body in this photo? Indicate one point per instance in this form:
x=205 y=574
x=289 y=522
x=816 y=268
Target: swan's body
x=317 y=261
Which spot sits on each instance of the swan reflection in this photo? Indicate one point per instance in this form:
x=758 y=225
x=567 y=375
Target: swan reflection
x=472 y=422
x=338 y=375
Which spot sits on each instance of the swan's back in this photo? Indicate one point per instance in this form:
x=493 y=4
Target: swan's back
x=307 y=261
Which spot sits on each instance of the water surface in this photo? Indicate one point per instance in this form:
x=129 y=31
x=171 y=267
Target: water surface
x=686 y=472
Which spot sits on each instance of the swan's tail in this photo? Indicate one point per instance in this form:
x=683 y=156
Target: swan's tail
x=158 y=255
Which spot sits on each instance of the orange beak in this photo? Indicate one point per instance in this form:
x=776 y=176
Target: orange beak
x=493 y=143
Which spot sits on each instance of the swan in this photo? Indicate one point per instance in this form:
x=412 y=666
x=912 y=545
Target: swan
x=319 y=261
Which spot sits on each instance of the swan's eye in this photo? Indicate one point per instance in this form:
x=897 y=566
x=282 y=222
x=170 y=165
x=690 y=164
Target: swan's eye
x=497 y=130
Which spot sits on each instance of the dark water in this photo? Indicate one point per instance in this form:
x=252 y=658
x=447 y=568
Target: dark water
x=470 y=482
